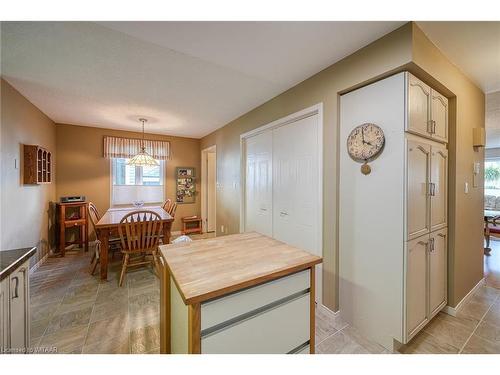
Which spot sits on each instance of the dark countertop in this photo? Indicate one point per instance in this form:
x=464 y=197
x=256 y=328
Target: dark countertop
x=10 y=260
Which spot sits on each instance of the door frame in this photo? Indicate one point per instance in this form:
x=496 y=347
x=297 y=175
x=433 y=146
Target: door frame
x=316 y=109
x=203 y=183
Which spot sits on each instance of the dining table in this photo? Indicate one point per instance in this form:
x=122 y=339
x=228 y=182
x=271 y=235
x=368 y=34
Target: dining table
x=107 y=227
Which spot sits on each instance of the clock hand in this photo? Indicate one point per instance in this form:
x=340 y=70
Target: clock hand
x=363 y=135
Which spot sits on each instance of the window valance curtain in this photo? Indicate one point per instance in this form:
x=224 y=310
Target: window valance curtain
x=117 y=147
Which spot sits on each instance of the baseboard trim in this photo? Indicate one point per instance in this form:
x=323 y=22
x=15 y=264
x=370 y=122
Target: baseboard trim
x=327 y=311
x=39 y=263
x=454 y=310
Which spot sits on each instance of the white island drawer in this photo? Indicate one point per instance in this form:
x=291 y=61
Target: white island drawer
x=228 y=307
x=277 y=330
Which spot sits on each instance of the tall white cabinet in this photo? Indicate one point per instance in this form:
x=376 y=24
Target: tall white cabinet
x=283 y=183
x=393 y=221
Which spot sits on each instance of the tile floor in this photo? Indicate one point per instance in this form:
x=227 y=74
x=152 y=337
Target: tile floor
x=76 y=313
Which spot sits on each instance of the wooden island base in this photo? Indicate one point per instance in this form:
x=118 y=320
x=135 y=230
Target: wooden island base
x=244 y=293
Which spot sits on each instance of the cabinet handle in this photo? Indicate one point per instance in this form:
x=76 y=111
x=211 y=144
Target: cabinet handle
x=432 y=189
x=441 y=235
x=431 y=126
x=16 y=289
x=263 y=209
x=283 y=213
x=431 y=245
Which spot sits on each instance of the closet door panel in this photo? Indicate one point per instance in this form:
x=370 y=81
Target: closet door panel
x=439 y=115
x=418 y=159
x=437 y=272
x=418 y=106
x=295 y=180
x=296 y=176
x=416 y=285
x=439 y=187
x=259 y=184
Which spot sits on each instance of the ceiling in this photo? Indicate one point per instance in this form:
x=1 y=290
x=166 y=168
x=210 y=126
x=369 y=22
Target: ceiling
x=187 y=78
x=190 y=78
x=474 y=47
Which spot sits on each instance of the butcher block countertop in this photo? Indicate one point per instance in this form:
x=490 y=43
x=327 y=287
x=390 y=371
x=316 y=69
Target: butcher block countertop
x=211 y=268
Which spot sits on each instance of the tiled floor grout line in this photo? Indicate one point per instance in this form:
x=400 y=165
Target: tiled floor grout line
x=331 y=335
x=476 y=327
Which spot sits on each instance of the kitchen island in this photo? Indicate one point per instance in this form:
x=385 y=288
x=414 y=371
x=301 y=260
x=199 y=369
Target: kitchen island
x=242 y=293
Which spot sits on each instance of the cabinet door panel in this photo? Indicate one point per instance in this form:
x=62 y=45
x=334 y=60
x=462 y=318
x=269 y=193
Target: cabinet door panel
x=19 y=305
x=439 y=115
x=439 y=188
x=4 y=312
x=437 y=271
x=259 y=188
x=416 y=285
x=418 y=156
x=418 y=106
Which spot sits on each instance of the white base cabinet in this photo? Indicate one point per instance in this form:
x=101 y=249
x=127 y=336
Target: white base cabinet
x=393 y=221
x=14 y=311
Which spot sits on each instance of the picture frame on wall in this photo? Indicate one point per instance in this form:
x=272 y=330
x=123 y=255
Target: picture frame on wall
x=185 y=185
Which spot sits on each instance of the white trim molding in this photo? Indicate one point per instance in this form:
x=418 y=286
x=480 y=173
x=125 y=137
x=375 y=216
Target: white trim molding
x=454 y=310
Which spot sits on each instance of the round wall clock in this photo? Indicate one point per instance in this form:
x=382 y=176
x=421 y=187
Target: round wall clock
x=365 y=143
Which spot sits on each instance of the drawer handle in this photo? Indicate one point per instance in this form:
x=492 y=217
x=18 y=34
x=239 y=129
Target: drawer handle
x=283 y=214
x=16 y=289
x=263 y=209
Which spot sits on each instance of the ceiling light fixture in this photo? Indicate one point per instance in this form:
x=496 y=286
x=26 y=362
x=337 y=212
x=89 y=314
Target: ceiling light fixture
x=142 y=159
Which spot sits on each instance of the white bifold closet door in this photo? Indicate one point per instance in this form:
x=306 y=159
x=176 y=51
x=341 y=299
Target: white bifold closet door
x=283 y=186
x=296 y=201
x=295 y=180
x=259 y=184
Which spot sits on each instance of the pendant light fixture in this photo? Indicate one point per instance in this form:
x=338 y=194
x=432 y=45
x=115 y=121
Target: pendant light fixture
x=143 y=159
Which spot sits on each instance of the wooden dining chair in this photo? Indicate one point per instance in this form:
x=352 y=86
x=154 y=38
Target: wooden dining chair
x=140 y=235
x=114 y=243
x=170 y=207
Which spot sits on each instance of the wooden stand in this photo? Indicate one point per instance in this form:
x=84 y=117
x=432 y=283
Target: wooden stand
x=191 y=224
x=67 y=222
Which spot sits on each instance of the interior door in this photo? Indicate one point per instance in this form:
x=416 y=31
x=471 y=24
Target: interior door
x=259 y=184
x=439 y=187
x=418 y=106
x=418 y=159
x=211 y=190
x=416 y=285
x=439 y=115
x=437 y=271
x=296 y=180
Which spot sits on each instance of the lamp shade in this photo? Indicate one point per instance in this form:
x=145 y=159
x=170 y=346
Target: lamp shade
x=143 y=159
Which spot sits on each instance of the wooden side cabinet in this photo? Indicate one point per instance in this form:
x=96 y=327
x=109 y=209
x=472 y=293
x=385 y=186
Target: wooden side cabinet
x=71 y=215
x=37 y=165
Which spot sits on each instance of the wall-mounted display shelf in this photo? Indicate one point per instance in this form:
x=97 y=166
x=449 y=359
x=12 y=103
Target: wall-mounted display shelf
x=37 y=165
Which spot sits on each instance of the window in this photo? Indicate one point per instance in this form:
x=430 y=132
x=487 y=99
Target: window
x=492 y=177
x=131 y=183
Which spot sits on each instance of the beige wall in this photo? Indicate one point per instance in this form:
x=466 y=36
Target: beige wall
x=82 y=169
x=467 y=111
x=24 y=208
x=387 y=54
x=403 y=49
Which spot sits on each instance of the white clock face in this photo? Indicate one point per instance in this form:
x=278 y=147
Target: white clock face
x=365 y=142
